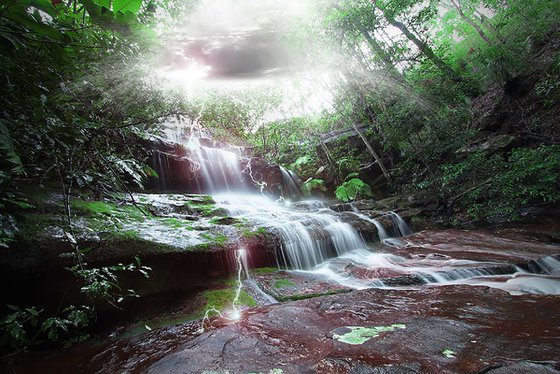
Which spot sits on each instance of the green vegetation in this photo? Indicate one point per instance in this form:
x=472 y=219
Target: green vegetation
x=311 y=185
x=252 y=233
x=223 y=298
x=111 y=210
x=496 y=186
x=215 y=239
x=352 y=189
x=359 y=335
x=264 y=270
x=448 y=101
x=280 y=283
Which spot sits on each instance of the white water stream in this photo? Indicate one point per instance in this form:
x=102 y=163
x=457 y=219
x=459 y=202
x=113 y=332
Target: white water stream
x=316 y=241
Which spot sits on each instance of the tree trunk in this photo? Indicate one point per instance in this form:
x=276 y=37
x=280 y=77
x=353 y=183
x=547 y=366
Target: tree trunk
x=372 y=151
x=424 y=47
x=470 y=22
x=385 y=58
x=488 y=24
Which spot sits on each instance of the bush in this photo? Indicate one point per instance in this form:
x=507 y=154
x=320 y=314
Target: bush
x=500 y=186
x=352 y=189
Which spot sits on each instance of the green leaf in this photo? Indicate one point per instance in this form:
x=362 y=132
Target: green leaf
x=32 y=22
x=123 y=6
x=103 y=3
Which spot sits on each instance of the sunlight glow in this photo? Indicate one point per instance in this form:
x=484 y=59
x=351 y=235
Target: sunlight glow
x=187 y=75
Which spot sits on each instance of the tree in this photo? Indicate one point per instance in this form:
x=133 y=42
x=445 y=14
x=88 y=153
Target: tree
x=390 y=15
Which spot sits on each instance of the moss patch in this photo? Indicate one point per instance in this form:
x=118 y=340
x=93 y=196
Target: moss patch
x=223 y=298
x=102 y=208
x=177 y=223
x=264 y=270
x=359 y=335
x=247 y=233
x=280 y=283
x=215 y=239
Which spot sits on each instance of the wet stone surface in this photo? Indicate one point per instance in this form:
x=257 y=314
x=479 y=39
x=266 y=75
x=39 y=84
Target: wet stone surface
x=285 y=285
x=450 y=329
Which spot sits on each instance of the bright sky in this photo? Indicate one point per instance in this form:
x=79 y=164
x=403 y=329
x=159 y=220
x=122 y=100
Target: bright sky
x=231 y=45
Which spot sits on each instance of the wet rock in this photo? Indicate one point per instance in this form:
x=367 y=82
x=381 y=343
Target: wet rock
x=524 y=367
x=187 y=243
x=182 y=169
x=452 y=329
x=404 y=280
x=479 y=245
x=285 y=286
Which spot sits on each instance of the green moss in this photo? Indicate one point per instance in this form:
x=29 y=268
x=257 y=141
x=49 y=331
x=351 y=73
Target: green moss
x=248 y=233
x=264 y=270
x=204 y=199
x=215 y=239
x=177 y=223
x=128 y=234
x=280 y=283
x=200 y=247
x=208 y=210
x=222 y=299
x=102 y=208
x=224 y=220
x=32 y=225
x=359 y=335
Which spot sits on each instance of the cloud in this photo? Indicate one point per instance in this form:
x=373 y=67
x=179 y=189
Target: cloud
x=241 y=39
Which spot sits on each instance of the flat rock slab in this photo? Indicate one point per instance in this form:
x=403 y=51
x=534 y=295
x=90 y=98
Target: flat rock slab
x=476 y=245
x=284 y=285
x=448 y=329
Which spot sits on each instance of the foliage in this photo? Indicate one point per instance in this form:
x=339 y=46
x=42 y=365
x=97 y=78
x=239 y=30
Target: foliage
x=27 y=326
x=313 y=184
x=260 y=231
x=498 y=187
x=281 y=283
x=352 y=189
x=15 y=325
x=101 y=284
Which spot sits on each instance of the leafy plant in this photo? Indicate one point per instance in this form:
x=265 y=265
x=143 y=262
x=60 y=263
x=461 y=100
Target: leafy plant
x=26 y=326
x=351 y=189
x=15 y=326
x=101 y=284
x=313 y=184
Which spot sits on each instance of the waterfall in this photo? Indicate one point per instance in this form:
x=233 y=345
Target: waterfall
x=309 y=238
x=401 y=224
x=162 y=166
x=381 y=233
x=219 y=169
x=289 y=183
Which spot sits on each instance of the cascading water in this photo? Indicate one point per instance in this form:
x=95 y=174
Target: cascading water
x=308 y=237
x=219 y=169
x=319 y=242
x=401 y=224
x=289 y=183
x=380 y=229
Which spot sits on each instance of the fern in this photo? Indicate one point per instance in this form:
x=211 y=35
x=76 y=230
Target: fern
x=351 y=189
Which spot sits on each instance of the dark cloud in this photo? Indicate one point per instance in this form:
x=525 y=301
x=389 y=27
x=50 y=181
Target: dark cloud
x=235 y=39
x=250 y=55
